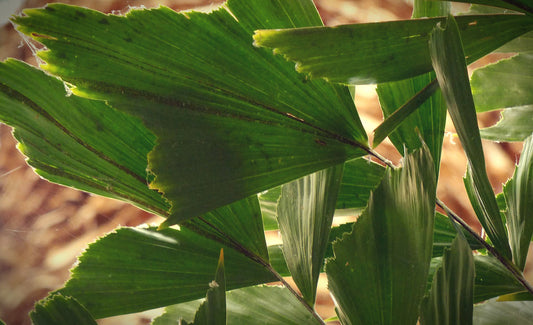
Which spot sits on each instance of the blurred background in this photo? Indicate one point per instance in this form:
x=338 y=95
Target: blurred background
x=44 y=227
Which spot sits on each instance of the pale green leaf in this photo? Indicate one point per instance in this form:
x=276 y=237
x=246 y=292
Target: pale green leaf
x=524 y=6
x=386 y=51
x=77 y=142
x=60 y=310
x=448 y=61
x=504 y=312
x=380 y=269
x=231 y=120
x=515 y=125
x=238 y=225
x=451 y=297
x=522 y=44
x=305 y=213
x=506 y=83
x=135 y=269
x=253 y=306
x=519 y=198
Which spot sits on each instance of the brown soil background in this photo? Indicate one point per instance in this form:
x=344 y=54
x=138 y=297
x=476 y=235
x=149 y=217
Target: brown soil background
x=44 y=227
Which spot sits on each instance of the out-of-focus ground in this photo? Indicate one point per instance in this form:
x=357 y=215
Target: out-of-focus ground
x=44 y=227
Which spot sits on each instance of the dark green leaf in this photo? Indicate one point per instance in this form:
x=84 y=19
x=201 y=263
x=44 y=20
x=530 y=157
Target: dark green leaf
x=268 y=201
x=448 y=61
x=444 y=233
x=238 y=225
x=515 y=125
x=253 y=306
x=493 y=279
x=379 y=272
x=77 y=142
x=383 y=52
x=506 y=83
x=231 y=120
x=277 y=260
x=135 y=269
x=451 y=298
x=519 y=198
x=305 y=213
x=60 y=310
x=213 y=310
x=522 y=44
x=503 y=312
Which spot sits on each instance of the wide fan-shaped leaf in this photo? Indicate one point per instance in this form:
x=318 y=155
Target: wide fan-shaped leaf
x=506 y=83
x=253 y=306
x=60 y=310
x=519 y=198
x=451 y=297
x=379 y=272
x=135 y=269
x=75 y=141
x=231 y=120
x=514 y=125
x=448 y=61
x=305 y=213
x=238 y=225
x=496 y=312
x=387 y=51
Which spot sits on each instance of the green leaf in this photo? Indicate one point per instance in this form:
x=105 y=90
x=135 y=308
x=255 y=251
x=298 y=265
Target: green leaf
x=515 y=125
x=387 y=51
x=77 y=142
x=506 y=83
x=450 y=67
x=451 y=298
x=379 y=272
x=305 y=213
x=238 y=225
x=493 y=279
x=231 y=120
x=496 y=313
x=60 y=310
x=268 y=200
x=444 y=233
x=413 y=108
x=252 y=305
x=517 y=5
x=522 y=44
x=135 y=269
x=519 y=198
x=213 y=310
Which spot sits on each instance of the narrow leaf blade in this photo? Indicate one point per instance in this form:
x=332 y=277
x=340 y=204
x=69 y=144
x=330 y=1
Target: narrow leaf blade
x=448 y=61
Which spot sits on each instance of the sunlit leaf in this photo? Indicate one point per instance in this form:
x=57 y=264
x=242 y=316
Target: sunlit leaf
x=386 y=51
x=515 y=125
x=253 y=305
x=451 y=297
x=75 y=141
x=60 y=310
x=232 y=120
x=448 y=61
x=503 y=312
x=519 y=198
x=135 y=269
x=305 y=213
x=506 y=83
x=379 y=272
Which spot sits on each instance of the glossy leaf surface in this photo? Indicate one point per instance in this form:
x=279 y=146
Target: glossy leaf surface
x=231 y=120
x=75 y=141
x=451 y=297
x=519 y=198
x=305 y=213
x=252 y=305
x=135 y=269
x=60 y=310
x=379 y=272
x=448 y=61
x=387 y=51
